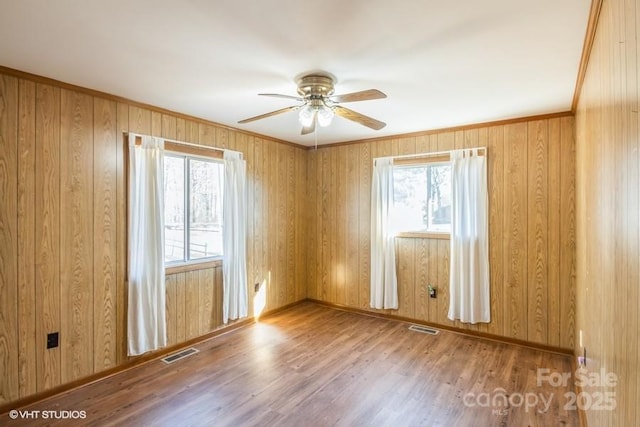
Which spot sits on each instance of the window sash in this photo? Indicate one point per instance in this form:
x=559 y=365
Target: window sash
x=186 y=219
x=424 y=162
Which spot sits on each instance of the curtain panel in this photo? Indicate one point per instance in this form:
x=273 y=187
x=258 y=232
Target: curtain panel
x=384 y=282
x=234 y=265
x=146 y=324
x=469 y=299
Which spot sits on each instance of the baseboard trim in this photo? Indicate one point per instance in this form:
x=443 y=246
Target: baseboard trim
x=483 y=335
x=136 y=362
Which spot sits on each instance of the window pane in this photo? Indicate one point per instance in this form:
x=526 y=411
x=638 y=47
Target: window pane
x=410 y=198
x=174 y=217
x=422 y=198
x=439 y=208
x=205 y=215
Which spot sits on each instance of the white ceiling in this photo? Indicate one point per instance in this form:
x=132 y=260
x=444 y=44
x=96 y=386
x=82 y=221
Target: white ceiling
x=441 y=63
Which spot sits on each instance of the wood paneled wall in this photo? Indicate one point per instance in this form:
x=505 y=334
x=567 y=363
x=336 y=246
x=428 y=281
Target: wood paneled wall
x=608 y=211
x=531 y=178
x=63 y=231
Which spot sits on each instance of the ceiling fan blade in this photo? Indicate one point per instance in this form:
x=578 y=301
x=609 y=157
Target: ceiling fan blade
x=272 y=113
x=359 y=118
x=364 y=95
x=309 y=129
x=278 y=95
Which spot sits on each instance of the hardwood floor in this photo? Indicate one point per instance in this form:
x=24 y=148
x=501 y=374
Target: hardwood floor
x=317 y=366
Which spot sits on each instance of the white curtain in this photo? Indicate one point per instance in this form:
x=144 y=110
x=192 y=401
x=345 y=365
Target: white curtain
x=384 y=283
x=469 y=264
x=234 y=218
x=146 y=324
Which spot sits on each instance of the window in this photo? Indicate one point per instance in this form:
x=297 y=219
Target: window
x=422 y=197
x=192 y=208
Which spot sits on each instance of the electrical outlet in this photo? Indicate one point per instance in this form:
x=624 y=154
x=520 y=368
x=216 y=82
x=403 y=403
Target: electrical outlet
x=52 y=340
x=433 y=292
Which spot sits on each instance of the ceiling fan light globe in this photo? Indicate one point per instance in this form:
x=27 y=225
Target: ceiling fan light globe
x=305 y=117
x=325 y=115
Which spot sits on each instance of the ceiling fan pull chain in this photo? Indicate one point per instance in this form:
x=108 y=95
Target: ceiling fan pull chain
x=315 y=135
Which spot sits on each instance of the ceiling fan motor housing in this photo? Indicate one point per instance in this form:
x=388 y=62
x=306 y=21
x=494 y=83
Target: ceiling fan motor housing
x=315 y=86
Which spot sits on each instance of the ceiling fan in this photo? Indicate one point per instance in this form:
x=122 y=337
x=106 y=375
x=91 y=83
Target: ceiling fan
x=319 y=104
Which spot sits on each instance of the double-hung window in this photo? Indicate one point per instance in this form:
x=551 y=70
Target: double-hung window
x=422 y=198
x=193 y=189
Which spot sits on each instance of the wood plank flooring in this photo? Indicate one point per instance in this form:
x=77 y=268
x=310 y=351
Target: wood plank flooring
x=317 y=366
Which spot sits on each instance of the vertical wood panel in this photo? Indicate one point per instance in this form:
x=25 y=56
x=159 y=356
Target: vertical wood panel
x=139 y=120
x=192 y=294
x=47 y=233
x=515 y=230
x=169 y=127
x=271 y=169
x=443 y=252
x=206 y=135
x=218 y=296
x=170 y=309
x=406 y=277
x=333 y=224
x=320 y=226
x=206 y=290
x=156 y=123
x=76 y=235
x=567 y=235
x=280 y=240
x=554 y=232
x=9 y=365
x=538 y=226
x=496 y=187
x=364 y=251
x=122 y=124
x=325 y=235
x=422 y=269
x=223 y=138
x=26 y=163
x=181 y=307
x=104 y=233
x=339 y=254
x=290 y=227
x=191 y=132
x=302 y=245
x=311 y=221
x=441 y=285
x=352 y=228
x=631 y=293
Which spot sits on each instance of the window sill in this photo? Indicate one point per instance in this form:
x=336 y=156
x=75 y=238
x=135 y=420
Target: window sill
x=174 y=269
x=425 y=235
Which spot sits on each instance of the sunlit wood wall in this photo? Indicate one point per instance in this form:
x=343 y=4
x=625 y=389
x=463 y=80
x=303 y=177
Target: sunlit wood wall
x=531 y=178
x=63 y=231
x=608 y=211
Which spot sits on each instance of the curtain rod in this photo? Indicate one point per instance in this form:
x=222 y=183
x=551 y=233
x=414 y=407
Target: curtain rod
x=173 y=141
x=430 y=154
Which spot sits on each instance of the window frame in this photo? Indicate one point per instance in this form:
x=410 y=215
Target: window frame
x=416 y=162
x=196 y=153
